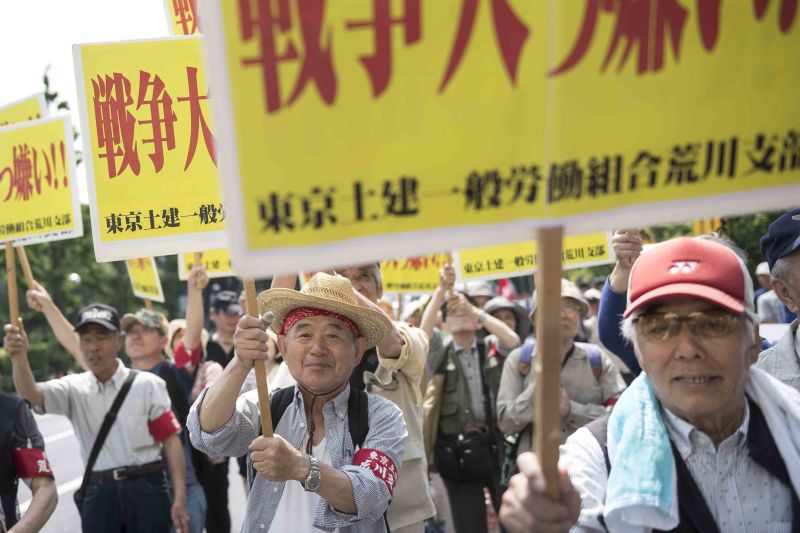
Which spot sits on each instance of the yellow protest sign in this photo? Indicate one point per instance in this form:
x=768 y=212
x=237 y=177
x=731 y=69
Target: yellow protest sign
x=149 y=148
x=344 y=114
x=399 y=128
x=145 y=282
x=29 y=108
x=413 y=275
x=681 y=119
x=707 y=225
x=216 y=262
x=38 y=190
x=507 y=260
x=182 y=17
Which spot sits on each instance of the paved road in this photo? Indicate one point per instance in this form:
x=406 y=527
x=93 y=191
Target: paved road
x=65 y=459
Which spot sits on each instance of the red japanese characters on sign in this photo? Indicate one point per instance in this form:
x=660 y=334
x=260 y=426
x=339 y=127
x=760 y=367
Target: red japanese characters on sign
x=264 y=20
x=116 y=123
x=33 y=170
x=650 y=26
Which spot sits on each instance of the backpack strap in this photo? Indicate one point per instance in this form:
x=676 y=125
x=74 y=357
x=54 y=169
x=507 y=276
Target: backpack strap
x=526 y=353
x=595 y=357
x=280 y=401
x=358 y=416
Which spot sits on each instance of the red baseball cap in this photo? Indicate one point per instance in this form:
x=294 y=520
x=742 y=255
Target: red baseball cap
x=690 y=266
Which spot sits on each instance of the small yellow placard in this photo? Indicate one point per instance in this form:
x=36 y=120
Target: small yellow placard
x=216 y=262
x=148 y=148
x=38 y=190
x=182 y=17
x=413 y=275
x=29 y=108
x=145 y=281
x=508 y=260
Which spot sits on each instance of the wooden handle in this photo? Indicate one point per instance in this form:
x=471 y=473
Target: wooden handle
x=198 y=258
x=11 y=278
x=547 y=366
x=26 y=267
x=449 y=293
x=148 y=304
x=251 y=303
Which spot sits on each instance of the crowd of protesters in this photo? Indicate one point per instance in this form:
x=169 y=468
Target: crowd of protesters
x=674 y=413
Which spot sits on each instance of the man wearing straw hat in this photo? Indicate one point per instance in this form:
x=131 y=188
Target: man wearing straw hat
x=311 y=474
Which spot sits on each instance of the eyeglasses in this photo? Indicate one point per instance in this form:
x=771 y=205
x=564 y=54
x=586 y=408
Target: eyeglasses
x=569 y=306
x=662 y=327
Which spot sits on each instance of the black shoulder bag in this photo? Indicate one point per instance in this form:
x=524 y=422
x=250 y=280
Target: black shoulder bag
x=108 y=421
x=472 y=456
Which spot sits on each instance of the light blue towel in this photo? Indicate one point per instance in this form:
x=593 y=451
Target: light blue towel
x=641 y=490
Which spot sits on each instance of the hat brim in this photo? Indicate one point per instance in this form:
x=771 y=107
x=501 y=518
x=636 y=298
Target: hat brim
x=373 y=325
x=704 y=292
x=105 y=323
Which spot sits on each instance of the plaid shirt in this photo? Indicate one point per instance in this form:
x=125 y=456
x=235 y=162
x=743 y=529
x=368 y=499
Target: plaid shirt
x=387 y=434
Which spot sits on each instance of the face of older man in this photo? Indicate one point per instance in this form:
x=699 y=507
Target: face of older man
x=362 y=278
x=699 y=376
x=321 y=353
x=100 y=348
x=143 y=341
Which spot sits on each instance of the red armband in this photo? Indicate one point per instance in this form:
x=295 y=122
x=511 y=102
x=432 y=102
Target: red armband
x=164 y=426
x=611 y=401
x=380 y=464
x=185 y=357
x=31 y=462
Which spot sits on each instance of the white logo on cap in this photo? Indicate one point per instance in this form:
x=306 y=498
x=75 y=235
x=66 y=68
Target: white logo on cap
x=683 y=267
x=93 y=314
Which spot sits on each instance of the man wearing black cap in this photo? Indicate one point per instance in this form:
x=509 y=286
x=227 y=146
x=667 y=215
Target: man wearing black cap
x=126 y=489
x=224 y=313
x=781 y=247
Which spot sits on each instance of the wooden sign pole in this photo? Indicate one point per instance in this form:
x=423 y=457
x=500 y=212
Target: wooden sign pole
x=26 y=267
x=11 y=278
x=148 y=304
x=547 y=366
x=251 y=303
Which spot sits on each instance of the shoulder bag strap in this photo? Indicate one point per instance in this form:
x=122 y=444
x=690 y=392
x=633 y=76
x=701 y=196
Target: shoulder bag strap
x=108 y=421
x=487 y=397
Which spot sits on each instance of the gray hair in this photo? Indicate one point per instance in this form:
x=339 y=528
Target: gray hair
x=782 y=269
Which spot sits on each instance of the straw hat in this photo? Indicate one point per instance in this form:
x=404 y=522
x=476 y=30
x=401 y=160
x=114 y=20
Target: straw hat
x=329 y=293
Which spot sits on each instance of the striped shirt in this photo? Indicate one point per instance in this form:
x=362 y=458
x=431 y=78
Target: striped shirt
x=387 y=434
x=741 y=495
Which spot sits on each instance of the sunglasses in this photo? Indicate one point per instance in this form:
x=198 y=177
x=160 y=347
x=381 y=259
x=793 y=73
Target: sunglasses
x=662 y=327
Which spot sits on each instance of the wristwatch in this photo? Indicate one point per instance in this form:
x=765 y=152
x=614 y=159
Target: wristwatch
x=311 y=484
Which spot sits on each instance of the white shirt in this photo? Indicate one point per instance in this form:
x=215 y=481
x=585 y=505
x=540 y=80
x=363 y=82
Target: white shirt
x=742 y=496
x=769 y=307
x=296 y=509
x=85 y=401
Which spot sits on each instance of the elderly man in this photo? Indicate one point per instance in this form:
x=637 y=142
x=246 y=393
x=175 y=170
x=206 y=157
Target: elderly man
x=395 y=370
x=701 y=441
x=465 y=380
x=590 y=382
x=315 y=475
x=781 y=246
x=126 y=489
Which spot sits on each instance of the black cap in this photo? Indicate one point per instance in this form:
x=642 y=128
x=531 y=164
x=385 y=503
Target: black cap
x=782 y=237
x=102 y=314
x=227 y=302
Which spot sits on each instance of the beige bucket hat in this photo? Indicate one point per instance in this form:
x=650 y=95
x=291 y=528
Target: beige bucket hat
x=329 y=293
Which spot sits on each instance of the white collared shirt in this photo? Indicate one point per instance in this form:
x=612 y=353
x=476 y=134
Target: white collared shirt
x=741 y=495
x=85 y=401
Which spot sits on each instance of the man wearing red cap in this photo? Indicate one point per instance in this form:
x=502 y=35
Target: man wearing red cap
x=701 y=440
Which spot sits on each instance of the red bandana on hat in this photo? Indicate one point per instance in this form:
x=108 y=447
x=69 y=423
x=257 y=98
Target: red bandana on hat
x=296 y=315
